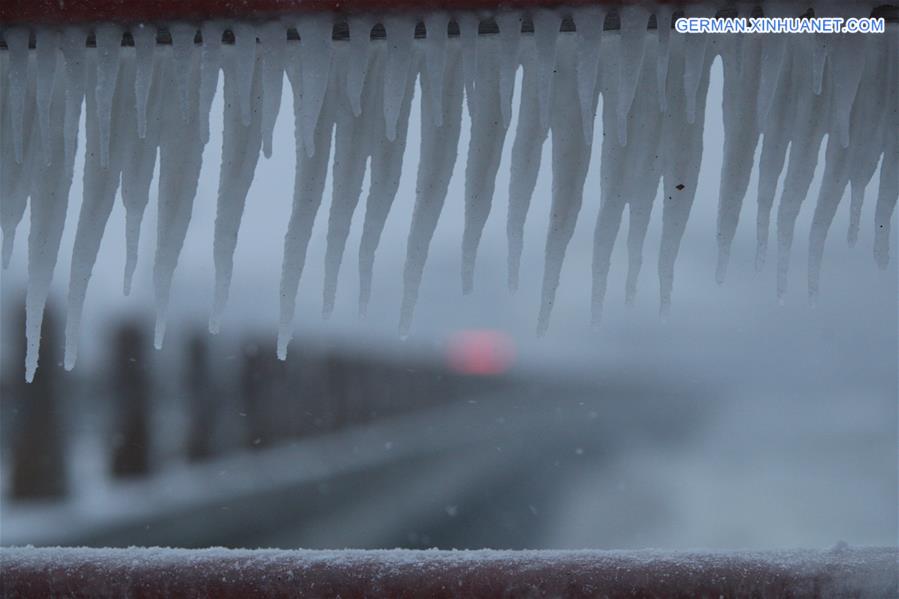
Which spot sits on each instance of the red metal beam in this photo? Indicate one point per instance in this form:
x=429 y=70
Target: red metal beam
x=223 y=573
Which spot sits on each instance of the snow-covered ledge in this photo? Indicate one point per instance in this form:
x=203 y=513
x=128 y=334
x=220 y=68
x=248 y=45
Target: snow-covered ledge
x=157 y=572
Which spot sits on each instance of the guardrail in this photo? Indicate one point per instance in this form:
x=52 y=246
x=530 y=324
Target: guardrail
x=223 y=573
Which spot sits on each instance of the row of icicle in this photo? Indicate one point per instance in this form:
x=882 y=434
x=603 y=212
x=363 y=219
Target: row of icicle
x=780 y=91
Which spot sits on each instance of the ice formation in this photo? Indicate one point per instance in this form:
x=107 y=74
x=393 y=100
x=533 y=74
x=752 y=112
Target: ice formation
x=148 y=102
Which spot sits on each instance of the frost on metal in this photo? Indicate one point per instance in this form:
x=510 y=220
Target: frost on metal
x=159 y=572
x=149 y=102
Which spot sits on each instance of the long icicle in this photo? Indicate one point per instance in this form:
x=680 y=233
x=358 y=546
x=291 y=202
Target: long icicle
x=681 y=155
x=741 y=56
x=570 y=159
x=353 y=139
x=49 y=202
x=139 y=162
x=810 y=119
x=439 y=149
x=888 y=190
x=647 y=167
x=180 y=158
x=484 y=152
x=527 y=152
x=241 y=144
x=101 y=183
x=872 y=110
x=16 y=175
x=386 y=166
x=776 y=133
x=309 y=184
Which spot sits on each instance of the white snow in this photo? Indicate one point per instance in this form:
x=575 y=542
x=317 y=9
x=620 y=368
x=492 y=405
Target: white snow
x=787 y=93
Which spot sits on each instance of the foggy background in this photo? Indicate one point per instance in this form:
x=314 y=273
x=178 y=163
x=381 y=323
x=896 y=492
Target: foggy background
x=739 y=423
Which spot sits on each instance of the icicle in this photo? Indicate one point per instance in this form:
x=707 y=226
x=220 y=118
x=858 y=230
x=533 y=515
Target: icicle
x=16 y=176
x=49 y=201
x=360 y=39
x=386 y=166
x=439 y=148
x=664 y=14
x=809 y=123
x=183 y=51
x=210 y=62
x=17 y=42
x=847 y=60
x=833 y=184
x=629 y=175
x=868 y=124
x=647 y=170
x=887 y=195
x=632 y=40
x=139 y=164
x=589 y=21
x=245 y=44
x=240 y=154
x=546 y=31
x=273 y=36
x=73 y=53
x=468 y=35
x=353 y=139
x=109 y=42
x=180 y=159
x=570 y=159
x=101 y=182
x=772 y=64
x=527 y=151
x=47 y=48
x=614 y=176
x=741 y=56
x=144 y=50
x=400 y=35
x=818 y=58
x=309 y=183
x=776 y=131
x=694 y=65
x=484 y=151
x=436 y=24
x=509 y=24
x=888 y=192
x=682 y=152
x=315 y=61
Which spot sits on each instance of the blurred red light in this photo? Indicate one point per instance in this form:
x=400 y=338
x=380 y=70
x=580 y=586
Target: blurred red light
x=481 y=353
